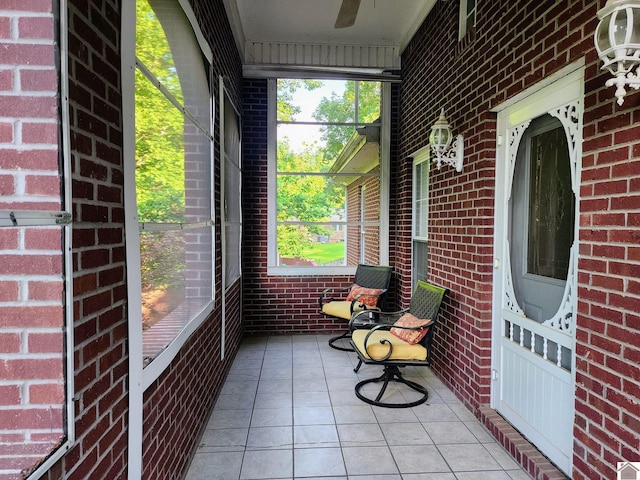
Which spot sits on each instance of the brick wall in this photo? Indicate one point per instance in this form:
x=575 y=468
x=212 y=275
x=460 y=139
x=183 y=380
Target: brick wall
x=31 y=288
x=177 y=406
x=369 y=187
x=275 y=304
x=515 y=45
x=100 y=327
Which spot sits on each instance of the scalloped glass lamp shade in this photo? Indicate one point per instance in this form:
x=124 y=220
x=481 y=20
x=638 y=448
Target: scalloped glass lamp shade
x=617 y=41
x=441 y=136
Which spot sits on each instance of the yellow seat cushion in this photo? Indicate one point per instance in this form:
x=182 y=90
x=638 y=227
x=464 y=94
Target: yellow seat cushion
x=401 y=349
x=340 y=309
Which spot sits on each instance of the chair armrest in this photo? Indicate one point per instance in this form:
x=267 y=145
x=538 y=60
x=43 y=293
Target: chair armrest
x=323 y=296
x=363 y=306
x=369 y=318
x=382 y=342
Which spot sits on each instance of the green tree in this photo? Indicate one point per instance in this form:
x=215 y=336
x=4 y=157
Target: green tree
x=343 y=109
x=304 y=197
x=287 y=87
x=160 y=187
x=316 y=198
x=159 y=125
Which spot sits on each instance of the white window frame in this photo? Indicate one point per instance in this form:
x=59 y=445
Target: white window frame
x=420 y=157
x=141 y=378
x=272 y=142
x=465 y=26
x=229 y=246
x=224 y=194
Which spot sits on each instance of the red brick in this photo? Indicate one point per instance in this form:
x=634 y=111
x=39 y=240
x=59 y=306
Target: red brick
x=31 y=369
x=40 y=133
x=45 y=342
x=46 y=393
x=9 y=291
x=36 y=6
x=8 y=239
x=6 y=129
x=30 y=265
x=9 y=395
x=11 y=343
x=34 y=54
x=46 y=291
x=32 y=80
x=35 y=107
x=5 y=29
x=42 y=185
x=29 y=160
x=43 y=239
x=35 y=28
x=43 y=418
x=26 y=317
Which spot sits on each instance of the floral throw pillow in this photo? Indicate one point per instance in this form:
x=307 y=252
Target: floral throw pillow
x=368 y=296
x=410 y=336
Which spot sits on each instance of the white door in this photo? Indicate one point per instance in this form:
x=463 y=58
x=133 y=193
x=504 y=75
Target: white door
x=537 y=178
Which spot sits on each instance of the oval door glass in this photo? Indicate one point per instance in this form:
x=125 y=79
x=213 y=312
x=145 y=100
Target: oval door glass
x=542 y=211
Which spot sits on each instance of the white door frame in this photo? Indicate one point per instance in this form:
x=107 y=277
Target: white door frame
x=560 y=95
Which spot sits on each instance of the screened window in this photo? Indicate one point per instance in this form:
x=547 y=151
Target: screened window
x=326 y=174
x=232 y=174
x=420 y=215
x=173 y=174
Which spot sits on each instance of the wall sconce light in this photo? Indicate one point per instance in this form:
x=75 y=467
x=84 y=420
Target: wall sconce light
x=445 y=148
x=617 y=41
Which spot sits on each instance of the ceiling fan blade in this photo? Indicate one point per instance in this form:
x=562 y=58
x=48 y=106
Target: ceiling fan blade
x=347 y=14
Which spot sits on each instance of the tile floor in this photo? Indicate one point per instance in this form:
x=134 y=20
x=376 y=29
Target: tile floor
x=288 y=411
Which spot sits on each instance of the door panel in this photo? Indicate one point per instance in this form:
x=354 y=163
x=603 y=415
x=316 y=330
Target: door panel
x=537 y=178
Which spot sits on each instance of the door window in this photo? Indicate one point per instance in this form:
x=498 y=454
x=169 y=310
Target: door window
x=542 y=218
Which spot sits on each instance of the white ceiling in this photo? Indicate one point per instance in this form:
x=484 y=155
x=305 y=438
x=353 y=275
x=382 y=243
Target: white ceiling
x=380 y=23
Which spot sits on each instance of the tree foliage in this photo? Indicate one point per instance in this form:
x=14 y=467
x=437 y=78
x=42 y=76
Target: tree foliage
x=343 y=110
x=160 y=178
x=287 y=87
x=316 y=198
x=159 y=126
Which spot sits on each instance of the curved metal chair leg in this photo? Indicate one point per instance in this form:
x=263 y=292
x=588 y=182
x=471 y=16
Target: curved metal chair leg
x=391 y=374
x=358 y=366
x=346 y=336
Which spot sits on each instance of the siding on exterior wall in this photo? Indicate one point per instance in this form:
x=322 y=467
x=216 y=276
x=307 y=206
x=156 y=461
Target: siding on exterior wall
x=513 y=46
x=370 y=188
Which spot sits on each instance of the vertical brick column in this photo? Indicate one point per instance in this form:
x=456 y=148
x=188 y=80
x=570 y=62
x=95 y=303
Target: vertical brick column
x=31 y=291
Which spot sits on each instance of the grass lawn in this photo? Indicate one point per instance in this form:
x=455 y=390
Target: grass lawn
x=324 y=252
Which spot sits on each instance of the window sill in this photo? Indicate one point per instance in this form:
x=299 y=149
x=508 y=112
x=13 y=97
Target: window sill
x=311 y=271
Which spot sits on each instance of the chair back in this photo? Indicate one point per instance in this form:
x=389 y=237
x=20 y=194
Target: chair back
x=374 y=276
x=426 y=300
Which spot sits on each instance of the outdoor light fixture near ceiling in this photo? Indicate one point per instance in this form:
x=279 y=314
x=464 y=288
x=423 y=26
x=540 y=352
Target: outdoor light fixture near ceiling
x=617 y=41
x=445 y=148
